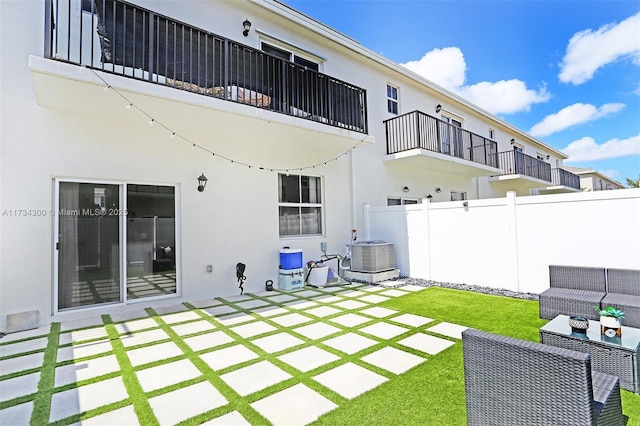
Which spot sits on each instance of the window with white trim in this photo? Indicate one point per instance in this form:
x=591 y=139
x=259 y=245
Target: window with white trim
x=299 y=205
x=458 y=195
x=393 y=201
x=290 y=56
x=392 y=99
x=492 y=134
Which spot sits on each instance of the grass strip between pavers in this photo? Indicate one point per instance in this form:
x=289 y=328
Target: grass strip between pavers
x=42 y=400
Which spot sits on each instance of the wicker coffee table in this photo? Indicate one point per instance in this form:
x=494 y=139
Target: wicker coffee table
x=617 y=356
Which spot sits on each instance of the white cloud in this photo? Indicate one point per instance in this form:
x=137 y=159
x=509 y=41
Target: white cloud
x=572 y=115
x=590 y=50
x=447 y=67
x=586 y=149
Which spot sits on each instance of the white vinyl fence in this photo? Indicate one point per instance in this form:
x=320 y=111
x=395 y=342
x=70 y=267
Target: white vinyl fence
x=510 y=242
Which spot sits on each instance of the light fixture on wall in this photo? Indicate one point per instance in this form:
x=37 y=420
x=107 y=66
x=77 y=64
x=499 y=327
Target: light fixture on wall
x=247 y=26
x=548 y=156
x=465 y=204
x=429 y=196
x=513 y=141
x=438 y=108
x=202 y=182
x=438 y=190
x=405 y=189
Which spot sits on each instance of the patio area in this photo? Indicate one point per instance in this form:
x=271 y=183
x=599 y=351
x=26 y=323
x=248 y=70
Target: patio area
x=266 y=358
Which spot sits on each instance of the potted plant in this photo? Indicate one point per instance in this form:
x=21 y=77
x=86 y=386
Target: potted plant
x=610 y=319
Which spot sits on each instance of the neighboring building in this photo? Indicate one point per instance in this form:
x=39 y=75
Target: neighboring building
x=112 y=110
x=593 y=180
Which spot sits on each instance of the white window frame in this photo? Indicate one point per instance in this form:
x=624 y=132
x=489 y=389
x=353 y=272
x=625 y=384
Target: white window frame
x=492 y=134
x=458 y=195
x=301 y=204
x=391 y=100
x=403 y=201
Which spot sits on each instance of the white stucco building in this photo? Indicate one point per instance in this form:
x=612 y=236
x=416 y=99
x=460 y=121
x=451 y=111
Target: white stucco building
x=593 y=180
x=111 y=111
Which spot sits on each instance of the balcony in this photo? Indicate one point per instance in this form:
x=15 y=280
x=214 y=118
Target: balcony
x=420 y=140
x=562 y=182
x=118 y=38
x=521 y=171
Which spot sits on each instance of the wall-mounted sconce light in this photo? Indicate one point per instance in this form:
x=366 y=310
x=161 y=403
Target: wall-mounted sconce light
x=429 y=196
x=438 y=190
x=513 y=141
x=405 y=189
x=247 y=26
x=465 y=204
x=438 y=108
x=548 y=156
x=202 y=182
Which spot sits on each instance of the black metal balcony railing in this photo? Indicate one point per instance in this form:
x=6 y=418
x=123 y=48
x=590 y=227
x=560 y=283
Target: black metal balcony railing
x=515 y=162
x=565 y=178
x=419 y=130
x=117 y=37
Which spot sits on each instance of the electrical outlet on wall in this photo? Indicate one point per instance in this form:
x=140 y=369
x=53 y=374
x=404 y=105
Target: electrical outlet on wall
x=323 y=246
x=209 y=268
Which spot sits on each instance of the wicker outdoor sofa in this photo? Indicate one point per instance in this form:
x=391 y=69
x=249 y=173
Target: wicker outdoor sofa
x=515 y=382
x=577 y=290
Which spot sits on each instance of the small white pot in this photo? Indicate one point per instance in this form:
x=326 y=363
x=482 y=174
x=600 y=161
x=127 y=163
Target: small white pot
x=610 y=322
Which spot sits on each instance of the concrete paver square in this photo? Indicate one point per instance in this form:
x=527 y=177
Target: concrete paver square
x=277 y=342
x=301 y=304
x=372 y=289
x=378 y=312
x=350 y=380
x=383 y=330
x=350 y=343
x=237 y=298
x=136 y=325
x=208 y=340
x=121 y=416
x=290 y=320
x=317 y=330
x=426 y=343
x=297 y=405
x=307 y=293
x=233 y=319
x=329 y=299
x=307 y=359
x=230 y=419
x=271 y=311
x=129 y=315
x=84 y=370
x=206 y=303
x=374 y=298
x=350 y=304
x=17 y=415
x=21 y=347
x=80 y=335
x=217 y=311
x=412 y=287
x=350 y=320
x=353 y=293
x=393 y=293
x=255 y=377
x=193 y=327
x=180 y=317
x=22 y=363
x=81 y=350
x=19 y=386
x=331 y=289
x=84 y=398
x=167 y=374
x=143 y=337
x=280 y=298
x=80 y=323
x=223 y=358
x=411 y=319
x=448 y=329
x=253 y=303
x=253 y=329
x=152 y=353
x=394 y=360
x=323 y=311
x=192 y=400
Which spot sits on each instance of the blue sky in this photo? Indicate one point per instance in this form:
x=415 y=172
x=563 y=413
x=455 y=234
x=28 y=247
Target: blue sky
x=566 y=72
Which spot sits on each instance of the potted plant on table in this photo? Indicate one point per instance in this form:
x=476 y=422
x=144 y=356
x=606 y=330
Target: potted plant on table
x=610 y=320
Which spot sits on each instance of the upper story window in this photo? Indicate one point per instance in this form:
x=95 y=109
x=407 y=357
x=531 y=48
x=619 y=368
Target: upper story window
x=517 y=148
x=393 y=201
x=289 y=56
x=299 y=205
x=492 y=134
x=392 y=99
x=458 y=195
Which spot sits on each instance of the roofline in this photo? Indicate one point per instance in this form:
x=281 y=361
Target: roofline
x=587 y=171
x=324 y=30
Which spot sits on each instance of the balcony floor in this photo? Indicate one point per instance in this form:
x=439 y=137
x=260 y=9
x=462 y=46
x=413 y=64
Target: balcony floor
x=434 y=161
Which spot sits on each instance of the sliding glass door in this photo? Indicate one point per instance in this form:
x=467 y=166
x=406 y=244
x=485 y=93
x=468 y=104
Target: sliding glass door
x=115 y=242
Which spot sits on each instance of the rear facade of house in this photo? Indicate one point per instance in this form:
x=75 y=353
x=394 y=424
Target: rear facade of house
x=112 y=110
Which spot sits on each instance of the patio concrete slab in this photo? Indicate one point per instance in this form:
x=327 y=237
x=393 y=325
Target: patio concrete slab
x=83 y=398
x=374 y=298
x=351 y=304
x=163 y=310
x=81 y=323
x=19 y=386
x=350 y=380
x=167 y=374
x=193 y=327
x=27 y=334
x=143 y=337
x=180 y=317
x=292 y=319
x=136 y=325
x=308 y=293
x=412 y=288
x=17 y=415
x=383 y=330
x=153 y=353
x=233 y=319
x=217 y=311
x=323 y=311
x=330 y=299
x=271 y=311
x=253 y=303
x=82 y=335
x=21 y=363
x=22 y=347
x=81 y=350
x=371 y=289
x=255 y=377
x=378 y=312
x=317 y=330
x=331 y=289
x=129 y=315
x=208 y=340
x=84 y=370
x=122 y=416
x=206 y=303
x=236 y=298
x=230 y=419
x=277 y=342
x=297 y=405
x=448 y=329
x=281 y=298
x=411 y=319
x=350 y=343
x=394 y=360
x=253 y=329
x=309 y=358
x=394 y=293
x=425 y=343
x=353 y=293
x=350 y=320
x=223 y=358
x=192 y=400
x=301 y=304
